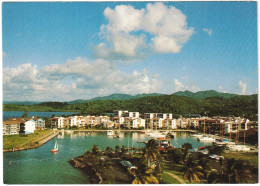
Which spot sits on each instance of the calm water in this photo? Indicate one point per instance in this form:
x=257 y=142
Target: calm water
x=17 y=114
x=39 y=166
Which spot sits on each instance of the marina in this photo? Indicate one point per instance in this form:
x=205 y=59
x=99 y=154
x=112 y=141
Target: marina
x=29 y=166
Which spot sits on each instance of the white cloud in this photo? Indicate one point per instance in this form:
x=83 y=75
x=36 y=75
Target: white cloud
x=242 y=87
x=75 y=79
x=179 y=86
x=208 y=31
x=134 y=33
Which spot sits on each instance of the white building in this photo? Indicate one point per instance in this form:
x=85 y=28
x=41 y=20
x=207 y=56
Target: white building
x=29 y=126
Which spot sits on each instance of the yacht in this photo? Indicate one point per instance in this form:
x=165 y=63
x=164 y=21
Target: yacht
x=206 y=139
x=110 y=133
x=197 y=135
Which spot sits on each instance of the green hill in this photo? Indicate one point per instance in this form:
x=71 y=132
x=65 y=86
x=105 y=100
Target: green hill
x=204 y=94
x=115 y=97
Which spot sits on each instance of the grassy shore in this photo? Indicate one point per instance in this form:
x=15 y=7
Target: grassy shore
x=19 y=142
x=251 y=157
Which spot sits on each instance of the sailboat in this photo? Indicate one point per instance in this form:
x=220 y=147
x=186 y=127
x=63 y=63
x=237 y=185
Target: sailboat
x=56 y=148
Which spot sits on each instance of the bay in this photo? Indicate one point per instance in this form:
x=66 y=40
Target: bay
x=40 y=166
x=17 y=114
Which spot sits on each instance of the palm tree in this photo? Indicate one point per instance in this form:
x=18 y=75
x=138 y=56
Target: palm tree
x=214 y=177
x=95 y=149
x=237 y=171
x=151 y=152
x=144 y=175
x=194 y=174
x=117 y=148
x=193 y=170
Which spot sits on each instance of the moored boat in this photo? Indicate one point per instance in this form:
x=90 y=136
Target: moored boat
x=164 y=144
x=206 y=139
x=110 y=133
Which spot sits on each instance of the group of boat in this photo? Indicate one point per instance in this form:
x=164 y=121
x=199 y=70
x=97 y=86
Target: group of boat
x=115 y=134
x=156 y=134
x=227 y=143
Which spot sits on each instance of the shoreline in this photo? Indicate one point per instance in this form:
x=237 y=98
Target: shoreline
x=40 y=143
x=122 y=130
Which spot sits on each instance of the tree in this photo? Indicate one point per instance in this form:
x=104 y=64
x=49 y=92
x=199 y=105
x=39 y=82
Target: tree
x=151 y=152
x=117 y=148
x=144 y=175
x=237 y=171
x=95 y=149
x=193 y=171
x=214 y=177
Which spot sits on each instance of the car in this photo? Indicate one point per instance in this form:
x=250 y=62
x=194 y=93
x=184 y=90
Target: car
x=216 y=157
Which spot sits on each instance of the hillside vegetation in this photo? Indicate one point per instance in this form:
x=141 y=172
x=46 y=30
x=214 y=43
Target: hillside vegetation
x=246 y=106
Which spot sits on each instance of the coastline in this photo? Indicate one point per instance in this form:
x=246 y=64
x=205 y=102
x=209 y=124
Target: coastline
x=36 y=145
x=122 y=130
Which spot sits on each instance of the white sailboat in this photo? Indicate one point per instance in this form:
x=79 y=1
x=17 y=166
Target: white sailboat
x=56 y=147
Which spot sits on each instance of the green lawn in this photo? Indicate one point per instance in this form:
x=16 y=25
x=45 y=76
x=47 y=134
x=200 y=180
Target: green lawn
x=251 y=157
x=174 y=169
x=169 y=180
x=10 y=141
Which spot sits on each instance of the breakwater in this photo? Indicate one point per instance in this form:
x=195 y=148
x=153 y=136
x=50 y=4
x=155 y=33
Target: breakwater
x=34 y=143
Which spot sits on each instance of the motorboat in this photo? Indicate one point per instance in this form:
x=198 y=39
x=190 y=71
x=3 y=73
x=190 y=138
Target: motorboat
x=197 y=135
x=206 y=139
x=164 y=144
x=110 y=133
x=157 y=135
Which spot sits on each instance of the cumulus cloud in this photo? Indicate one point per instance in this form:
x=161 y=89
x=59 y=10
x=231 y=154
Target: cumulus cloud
x=208 y=31
x=242 y=87
x=134 y=33
x=78 y=78
x=179 y=86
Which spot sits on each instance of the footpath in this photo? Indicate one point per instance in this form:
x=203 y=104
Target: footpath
x=176 y=177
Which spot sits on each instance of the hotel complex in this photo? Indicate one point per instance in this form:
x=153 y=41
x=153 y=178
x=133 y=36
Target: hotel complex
x=132 y=120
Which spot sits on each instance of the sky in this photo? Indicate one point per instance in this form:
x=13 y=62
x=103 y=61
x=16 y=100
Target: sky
x=79 y=50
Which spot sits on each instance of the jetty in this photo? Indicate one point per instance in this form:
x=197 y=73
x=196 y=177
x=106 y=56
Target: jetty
x=34 y=143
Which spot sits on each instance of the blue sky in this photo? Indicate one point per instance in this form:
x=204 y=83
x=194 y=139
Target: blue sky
x=66 y=51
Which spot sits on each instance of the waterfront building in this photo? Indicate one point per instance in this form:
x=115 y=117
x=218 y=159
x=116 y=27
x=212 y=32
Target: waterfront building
x=12 y=127
x=155 y=120
x=29 y=126
x=134 y=123
x=19 y=125
x=39 y=123
x=222 y=125
x=58 y=122
x=174 y=124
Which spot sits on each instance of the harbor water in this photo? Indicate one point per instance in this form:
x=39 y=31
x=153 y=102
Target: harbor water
x=40 y=166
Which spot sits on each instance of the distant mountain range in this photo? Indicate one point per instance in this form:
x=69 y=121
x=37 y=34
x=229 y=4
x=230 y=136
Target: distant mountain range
x=204 y=94
x=116 y=97
x=198 y=95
